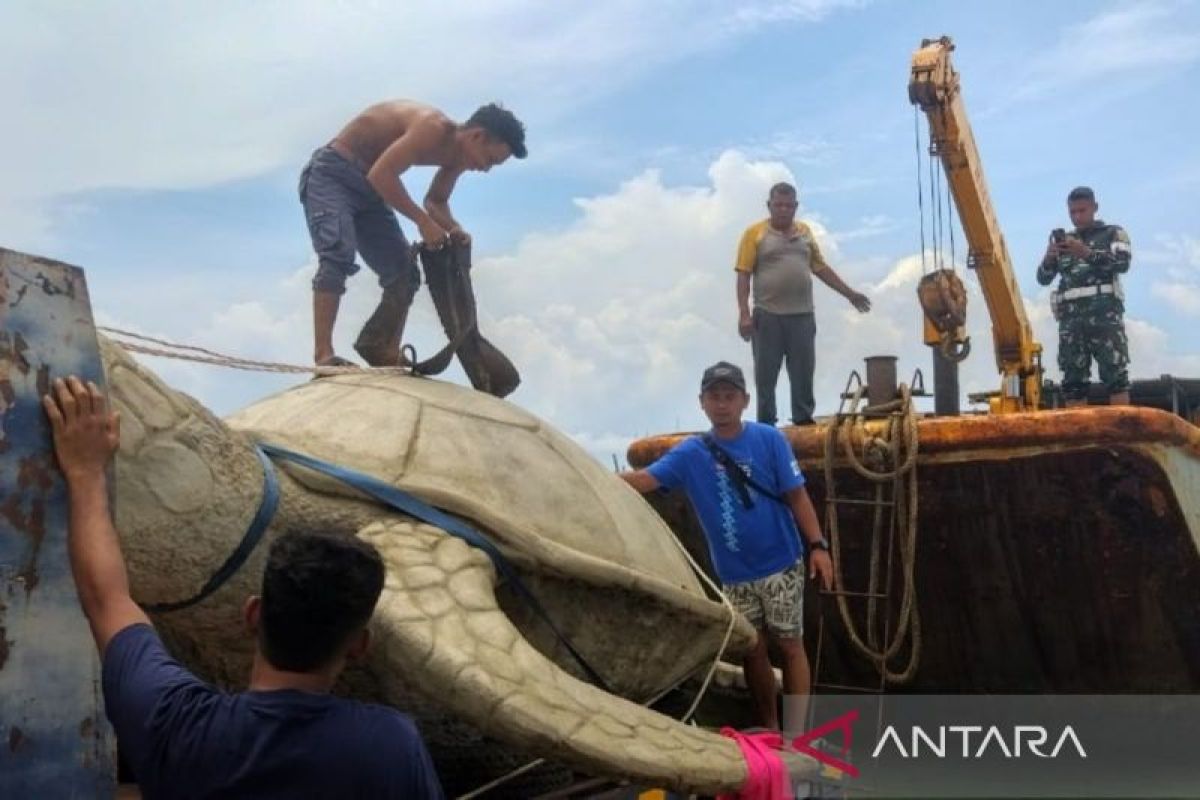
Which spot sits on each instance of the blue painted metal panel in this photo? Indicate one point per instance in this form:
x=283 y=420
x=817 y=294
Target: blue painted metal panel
x=54 y=739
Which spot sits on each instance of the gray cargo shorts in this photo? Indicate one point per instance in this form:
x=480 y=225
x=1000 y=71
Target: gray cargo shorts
x=775 y=602
x=345 y=216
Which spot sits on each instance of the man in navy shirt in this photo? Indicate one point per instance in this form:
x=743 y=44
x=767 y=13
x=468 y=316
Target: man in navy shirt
x=286 y=736
x=748 y=493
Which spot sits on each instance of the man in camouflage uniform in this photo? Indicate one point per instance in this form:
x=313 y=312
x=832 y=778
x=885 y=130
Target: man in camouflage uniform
x=1089 y=304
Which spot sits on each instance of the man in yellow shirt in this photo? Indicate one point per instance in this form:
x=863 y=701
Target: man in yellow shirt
x=777 y=258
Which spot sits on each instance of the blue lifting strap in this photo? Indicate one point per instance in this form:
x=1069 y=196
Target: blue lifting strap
x=258 y=526
x=413 y=506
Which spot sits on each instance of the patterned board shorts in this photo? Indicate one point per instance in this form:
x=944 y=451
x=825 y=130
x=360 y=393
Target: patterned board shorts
x=775 y=602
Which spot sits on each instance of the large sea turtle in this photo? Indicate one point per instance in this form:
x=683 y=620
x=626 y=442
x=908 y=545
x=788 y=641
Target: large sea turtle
x=452 y=645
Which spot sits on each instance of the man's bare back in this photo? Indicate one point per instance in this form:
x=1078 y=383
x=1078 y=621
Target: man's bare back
x=390 y=137
x=368 y=135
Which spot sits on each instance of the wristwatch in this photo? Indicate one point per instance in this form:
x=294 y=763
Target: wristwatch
x=819 y=544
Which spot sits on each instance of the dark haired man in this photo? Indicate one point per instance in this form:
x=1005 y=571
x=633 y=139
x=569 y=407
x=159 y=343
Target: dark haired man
x=350 y=188
x=286 y=736
x=1089 y=304
x=778 y=257
x=748 y=493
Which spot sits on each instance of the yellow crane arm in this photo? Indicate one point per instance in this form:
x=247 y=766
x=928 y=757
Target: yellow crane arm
x=934 y=86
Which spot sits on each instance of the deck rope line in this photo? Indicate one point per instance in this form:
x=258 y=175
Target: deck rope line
x=148 y=345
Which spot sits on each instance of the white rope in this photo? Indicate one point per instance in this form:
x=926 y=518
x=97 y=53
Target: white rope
x=503 y=779
x=687 y=716
x=712 y=669
x=187 y=352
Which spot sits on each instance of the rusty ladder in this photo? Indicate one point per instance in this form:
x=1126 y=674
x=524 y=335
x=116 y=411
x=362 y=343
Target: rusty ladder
x=887 y=502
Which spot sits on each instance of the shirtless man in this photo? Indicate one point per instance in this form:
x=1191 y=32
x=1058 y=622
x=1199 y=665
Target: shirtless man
x=351 y=187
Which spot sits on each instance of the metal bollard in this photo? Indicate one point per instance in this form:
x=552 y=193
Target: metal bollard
x=881 y=379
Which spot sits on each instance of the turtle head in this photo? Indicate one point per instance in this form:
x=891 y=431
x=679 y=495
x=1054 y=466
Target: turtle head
x=186 y=485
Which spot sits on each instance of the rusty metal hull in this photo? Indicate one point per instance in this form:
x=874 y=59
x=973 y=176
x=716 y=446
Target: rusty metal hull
x=1057 y=551
x=54 y=738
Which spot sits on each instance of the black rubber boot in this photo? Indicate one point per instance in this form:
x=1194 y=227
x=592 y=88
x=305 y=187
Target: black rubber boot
x=379 y=341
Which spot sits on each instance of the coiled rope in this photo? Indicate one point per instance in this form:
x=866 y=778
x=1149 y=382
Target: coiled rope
x=887 y=459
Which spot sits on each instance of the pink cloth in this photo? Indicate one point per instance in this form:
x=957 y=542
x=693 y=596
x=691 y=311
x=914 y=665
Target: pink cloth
x=767 y=778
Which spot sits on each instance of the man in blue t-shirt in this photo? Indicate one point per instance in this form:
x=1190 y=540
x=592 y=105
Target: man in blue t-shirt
x=748 y=492
x=286 y=736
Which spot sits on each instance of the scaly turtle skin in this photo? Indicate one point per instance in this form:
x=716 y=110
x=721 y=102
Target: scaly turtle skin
x=450 y=645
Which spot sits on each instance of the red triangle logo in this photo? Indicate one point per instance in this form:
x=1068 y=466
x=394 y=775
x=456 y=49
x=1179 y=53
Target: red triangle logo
x=843 y=723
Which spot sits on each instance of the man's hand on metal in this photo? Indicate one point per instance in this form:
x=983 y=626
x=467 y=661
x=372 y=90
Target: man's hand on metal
x=745 y=325
x=86 y=433
x=459 y=236
x=860 y=301
x=821 y=564
x=433 y=236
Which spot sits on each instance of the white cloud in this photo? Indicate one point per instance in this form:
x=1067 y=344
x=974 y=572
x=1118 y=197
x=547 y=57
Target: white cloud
x=1188 y=248
x=792 y=148
x=1180 y=255
x=905 y=272
x=754 y=14
x=1153 y=352
x=172 y=95
x=842 y=185
x=1183 y=297
x=1130 y=41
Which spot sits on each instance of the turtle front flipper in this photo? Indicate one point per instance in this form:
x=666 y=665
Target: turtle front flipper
x=438 y=624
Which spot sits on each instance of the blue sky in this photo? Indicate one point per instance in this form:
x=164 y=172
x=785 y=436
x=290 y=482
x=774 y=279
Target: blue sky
x=159 y=148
